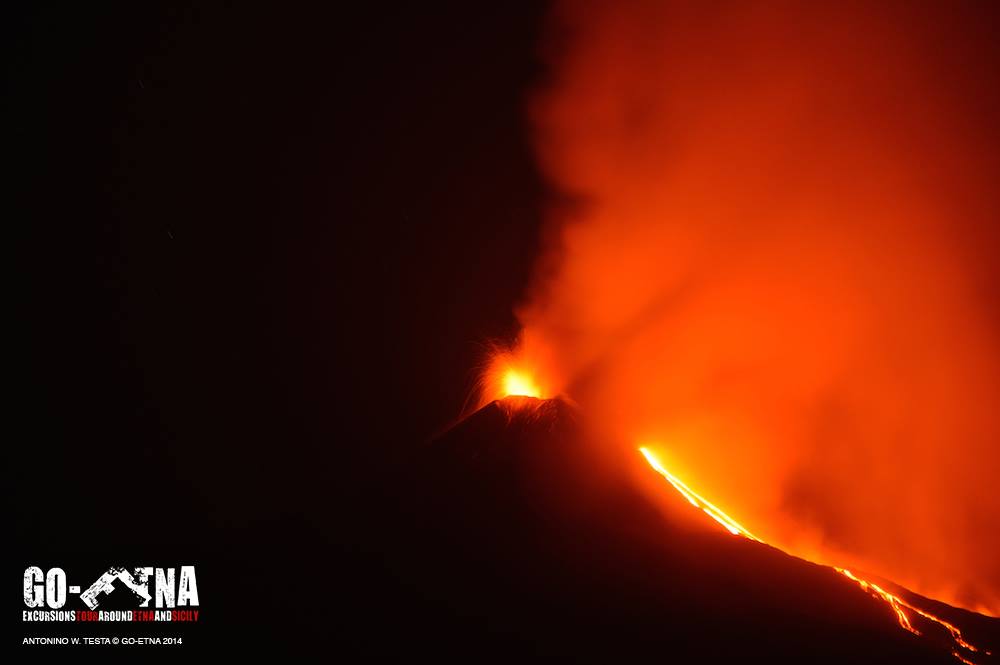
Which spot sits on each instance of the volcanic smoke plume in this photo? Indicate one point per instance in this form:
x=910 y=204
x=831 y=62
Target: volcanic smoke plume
x=769 y=260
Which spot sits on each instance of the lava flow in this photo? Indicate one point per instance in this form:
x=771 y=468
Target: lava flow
x=697 y=501
x=897 y=604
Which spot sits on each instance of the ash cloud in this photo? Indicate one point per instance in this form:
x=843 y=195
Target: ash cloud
x=771 y=251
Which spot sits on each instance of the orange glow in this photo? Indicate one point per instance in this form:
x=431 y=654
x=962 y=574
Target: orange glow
x=523 y=370
x=519 y=383
x=697 y=501
x=779 y=254
x=896 y=603
x=880 y=593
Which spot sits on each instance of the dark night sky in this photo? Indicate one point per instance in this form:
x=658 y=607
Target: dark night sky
x=262 y=249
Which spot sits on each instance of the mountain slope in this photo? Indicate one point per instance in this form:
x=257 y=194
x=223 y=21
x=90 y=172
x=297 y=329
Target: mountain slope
x=519 y=538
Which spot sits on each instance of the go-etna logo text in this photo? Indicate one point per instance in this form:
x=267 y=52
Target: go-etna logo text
x=48 y=591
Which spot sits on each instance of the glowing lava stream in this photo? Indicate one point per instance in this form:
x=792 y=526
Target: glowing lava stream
x=697 y=501
x=895 y=602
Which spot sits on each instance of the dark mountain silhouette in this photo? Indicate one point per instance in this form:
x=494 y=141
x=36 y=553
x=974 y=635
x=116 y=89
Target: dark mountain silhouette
x=520 y=539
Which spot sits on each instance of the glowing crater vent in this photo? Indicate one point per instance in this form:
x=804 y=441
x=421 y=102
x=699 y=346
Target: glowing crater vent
x=520 y=384
x=514 y=372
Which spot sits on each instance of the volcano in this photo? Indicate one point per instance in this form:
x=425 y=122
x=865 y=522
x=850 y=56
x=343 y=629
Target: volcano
x=520 y=537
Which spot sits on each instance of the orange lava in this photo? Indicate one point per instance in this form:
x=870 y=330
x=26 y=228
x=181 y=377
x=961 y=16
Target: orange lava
x=878 y=592
x=897 y=604
x=731 y=525
x=521 y=384
x=518 y=370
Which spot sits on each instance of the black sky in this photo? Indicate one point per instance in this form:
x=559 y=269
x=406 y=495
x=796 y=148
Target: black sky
x=262 y=250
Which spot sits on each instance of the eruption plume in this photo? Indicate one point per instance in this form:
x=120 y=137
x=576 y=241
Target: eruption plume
x=771 y=242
